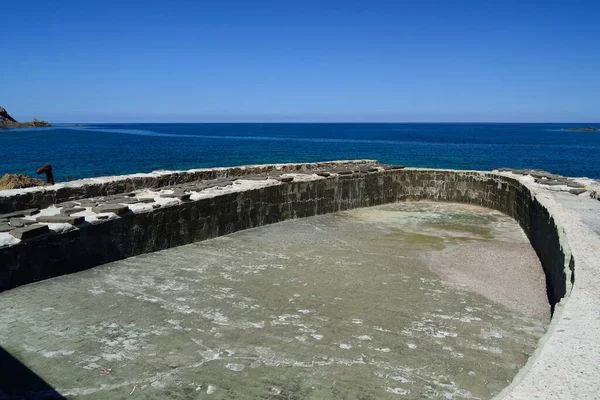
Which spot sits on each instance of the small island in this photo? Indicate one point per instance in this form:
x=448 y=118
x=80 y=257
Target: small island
x=586 y=128
x=8 y=122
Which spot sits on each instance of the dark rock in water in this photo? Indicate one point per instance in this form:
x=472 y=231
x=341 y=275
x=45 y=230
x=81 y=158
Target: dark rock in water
x=324 y=174
x=587 y=128
x=111 y=208
x=61 y=219
x=30 y=231
x=286 y=179
x=392 y=167
x=577 y=192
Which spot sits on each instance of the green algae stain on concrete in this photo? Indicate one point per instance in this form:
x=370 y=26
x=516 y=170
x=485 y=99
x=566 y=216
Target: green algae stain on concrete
x=354 y=305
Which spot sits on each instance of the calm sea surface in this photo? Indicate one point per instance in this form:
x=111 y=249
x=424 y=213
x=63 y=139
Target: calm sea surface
x=111 y=149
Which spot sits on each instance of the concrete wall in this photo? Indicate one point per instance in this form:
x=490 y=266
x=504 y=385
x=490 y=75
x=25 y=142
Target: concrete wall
x=134 y=234
x=44 y=196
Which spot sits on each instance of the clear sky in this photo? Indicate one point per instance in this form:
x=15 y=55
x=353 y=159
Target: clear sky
x=308 y=60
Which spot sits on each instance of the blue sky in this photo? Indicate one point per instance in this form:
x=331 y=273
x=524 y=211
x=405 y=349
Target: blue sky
x=405 y=61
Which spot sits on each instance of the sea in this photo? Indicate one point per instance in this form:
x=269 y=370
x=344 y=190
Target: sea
x=104 y=149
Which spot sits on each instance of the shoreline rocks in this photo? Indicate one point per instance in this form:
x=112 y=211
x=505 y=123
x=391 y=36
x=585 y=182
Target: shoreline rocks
x=8 y=122
x=19 y=181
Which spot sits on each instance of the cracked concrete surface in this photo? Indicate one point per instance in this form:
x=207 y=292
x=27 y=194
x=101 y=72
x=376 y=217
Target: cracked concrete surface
x=346 y=305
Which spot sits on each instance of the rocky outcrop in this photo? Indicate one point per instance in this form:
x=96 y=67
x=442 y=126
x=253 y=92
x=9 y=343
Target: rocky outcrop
x=8 y=122
x=6 y=119
x=17 y=181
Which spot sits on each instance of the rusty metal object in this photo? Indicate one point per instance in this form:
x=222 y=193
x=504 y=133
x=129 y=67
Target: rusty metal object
x=48 y=170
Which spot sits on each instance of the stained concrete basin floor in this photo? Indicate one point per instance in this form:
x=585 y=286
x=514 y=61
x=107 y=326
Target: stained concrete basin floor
x=396 y=301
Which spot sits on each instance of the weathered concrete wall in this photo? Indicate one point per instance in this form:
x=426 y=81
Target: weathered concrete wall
x=40 y=197
x=134 y=234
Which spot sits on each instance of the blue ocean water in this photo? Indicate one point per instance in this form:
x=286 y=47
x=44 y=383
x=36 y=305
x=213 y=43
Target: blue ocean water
x=111 y=149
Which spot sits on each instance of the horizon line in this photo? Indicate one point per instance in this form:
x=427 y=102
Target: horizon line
x=332 y=122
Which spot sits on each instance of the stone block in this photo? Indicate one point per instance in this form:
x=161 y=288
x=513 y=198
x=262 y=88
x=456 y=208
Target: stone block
x=575 y=184
x=30 y=231
x=72 y=210
x=88 y=203
x=121 y=200
x=111 y=208
x=61 y=219
x=6 y=228
x=19 y=223
x=550 y=182
x=176 y=195
x=21 y=213
x=577 y=192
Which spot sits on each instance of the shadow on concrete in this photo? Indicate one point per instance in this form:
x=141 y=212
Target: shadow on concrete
x=19 y=382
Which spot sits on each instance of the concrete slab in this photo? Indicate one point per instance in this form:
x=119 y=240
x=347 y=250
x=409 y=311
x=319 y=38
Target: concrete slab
x=61 y=219
x=30 y=231
x=344 y=305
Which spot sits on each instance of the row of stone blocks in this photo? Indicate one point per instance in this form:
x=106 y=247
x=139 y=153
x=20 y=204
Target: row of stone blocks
x=27 y=228
x=117 y=203
x=44 y=197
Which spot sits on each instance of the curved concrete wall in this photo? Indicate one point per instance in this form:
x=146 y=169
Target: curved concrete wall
x=194 y=221
x=134 y=234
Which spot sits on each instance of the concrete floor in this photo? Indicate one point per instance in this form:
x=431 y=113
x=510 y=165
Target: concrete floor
x=384 y=302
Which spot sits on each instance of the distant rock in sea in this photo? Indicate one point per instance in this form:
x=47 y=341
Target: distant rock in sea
x=587 y=128
x=8 y=122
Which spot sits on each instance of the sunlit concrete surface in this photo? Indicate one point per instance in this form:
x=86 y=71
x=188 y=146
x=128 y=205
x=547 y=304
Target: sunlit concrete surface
x=407 y=300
